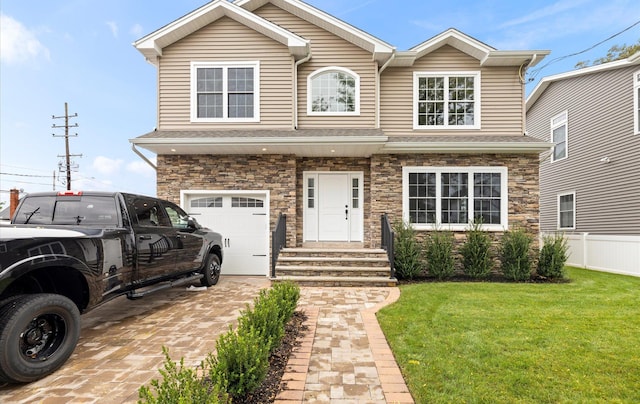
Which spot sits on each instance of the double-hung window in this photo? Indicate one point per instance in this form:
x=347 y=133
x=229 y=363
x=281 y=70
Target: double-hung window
x=636 y=102
x=567 y=211
x=559 y=136
x=225 y=92
x=446 y=100
x=453 y=197
x=333 y=91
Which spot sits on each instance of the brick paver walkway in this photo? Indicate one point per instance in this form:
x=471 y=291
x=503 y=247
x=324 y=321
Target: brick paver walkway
x=342 y=359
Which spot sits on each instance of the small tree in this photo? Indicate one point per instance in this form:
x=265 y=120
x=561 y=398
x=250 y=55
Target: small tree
x=439 y=254
x=476 y=252
x=515 y=254
x=553 y=256
x=406 y=251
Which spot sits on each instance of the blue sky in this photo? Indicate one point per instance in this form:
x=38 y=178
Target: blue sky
x=80 y=52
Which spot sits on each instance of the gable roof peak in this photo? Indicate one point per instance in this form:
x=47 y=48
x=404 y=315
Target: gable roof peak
x=151 y=45
x=380 y=49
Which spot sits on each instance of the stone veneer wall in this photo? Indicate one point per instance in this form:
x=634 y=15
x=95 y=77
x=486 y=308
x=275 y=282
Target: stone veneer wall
x=523 y=183
x=282 y=176
x=335 y=165
x=275 y=173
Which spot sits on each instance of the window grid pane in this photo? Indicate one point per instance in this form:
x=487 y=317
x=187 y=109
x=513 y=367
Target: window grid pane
x=333 y=92
x=455 y=198
x=486 y=197
x=211 y=92
x=422 y=198
x=566 y=211
x=355 y=193
x=214 y=202
x=311 y=183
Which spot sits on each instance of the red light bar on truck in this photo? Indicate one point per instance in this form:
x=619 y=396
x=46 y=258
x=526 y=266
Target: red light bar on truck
x=70 y=193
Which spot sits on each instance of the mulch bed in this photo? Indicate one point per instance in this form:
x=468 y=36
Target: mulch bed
x=272 y=384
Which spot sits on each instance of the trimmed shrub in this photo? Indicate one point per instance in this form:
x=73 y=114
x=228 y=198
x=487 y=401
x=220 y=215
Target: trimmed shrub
x=553 y=256
x=439 y=254
x=515 y=255
x=181 y=386
x=241 y=362
x=407 y=252
x=476 y=252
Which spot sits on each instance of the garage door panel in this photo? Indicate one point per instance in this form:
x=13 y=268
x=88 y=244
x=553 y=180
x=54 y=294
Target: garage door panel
x=243 y=222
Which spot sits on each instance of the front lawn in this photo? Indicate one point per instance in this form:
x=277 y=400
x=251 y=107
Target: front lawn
x=480 y=342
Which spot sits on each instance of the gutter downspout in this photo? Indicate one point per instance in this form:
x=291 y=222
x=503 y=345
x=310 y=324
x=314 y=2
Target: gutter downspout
x=384 y=66
x=295 y=88
x=143 y=157
x=521 y=73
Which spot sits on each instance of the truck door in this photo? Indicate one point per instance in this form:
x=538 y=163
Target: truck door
x=156 y=239
x=192 y=243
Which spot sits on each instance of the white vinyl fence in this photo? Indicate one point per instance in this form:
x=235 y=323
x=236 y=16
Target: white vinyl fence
x=617 y=254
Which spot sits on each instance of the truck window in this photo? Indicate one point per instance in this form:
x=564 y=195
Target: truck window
x=36 y=210
x=178 y=218
x=88 y=210
x=150 y=214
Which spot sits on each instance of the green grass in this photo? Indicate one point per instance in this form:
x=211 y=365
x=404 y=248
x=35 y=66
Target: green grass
x=480 y=342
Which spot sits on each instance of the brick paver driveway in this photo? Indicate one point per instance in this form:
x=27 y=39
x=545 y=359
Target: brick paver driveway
x=120 y=345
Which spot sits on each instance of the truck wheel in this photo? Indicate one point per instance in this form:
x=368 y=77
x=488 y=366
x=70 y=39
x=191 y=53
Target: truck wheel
x=211 y=271
x=38 y=333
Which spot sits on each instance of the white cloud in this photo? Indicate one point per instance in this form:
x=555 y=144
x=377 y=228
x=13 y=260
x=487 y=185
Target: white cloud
x=136 y=30
x=141 y=167
x=113 y=26
x=18 y=44
x=106 y=166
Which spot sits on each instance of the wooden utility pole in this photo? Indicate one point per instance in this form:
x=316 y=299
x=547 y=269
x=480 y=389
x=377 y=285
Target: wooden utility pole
x=67 y=155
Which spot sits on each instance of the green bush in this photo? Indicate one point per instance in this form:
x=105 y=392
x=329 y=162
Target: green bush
x=476 y=252
x=181 y=386
x=242 y=357
x=241 y=361
x=516 y=256
x=553 y=256
x=407 y=252
x=439 y=254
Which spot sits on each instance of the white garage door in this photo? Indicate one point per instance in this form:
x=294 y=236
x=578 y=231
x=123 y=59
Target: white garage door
x=243 y=221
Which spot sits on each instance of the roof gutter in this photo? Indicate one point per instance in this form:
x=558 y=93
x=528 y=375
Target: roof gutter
x=143 y=157
x=484 y=147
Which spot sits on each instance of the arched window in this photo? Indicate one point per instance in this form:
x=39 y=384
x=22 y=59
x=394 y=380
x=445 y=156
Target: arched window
x=333 y=91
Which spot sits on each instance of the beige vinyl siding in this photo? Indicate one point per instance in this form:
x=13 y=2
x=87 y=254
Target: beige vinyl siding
x=226 y=40
x=501 y=95
x=600 y=124
x=329 y=50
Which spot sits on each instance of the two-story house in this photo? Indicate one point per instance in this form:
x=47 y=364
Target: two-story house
x=273 y=106
x=590 y=181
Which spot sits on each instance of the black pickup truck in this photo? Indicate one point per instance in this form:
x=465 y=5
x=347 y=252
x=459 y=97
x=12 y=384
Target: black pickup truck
x=65 y=253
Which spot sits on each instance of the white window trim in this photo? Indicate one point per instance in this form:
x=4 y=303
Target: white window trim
x=225 y=65
x=446 y=126
x=564 y=122
x=504 y=197
x=636 y=102
x=573 y=194
x=351 y=73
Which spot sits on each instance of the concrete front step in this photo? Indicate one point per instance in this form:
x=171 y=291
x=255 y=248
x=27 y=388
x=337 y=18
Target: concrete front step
x=316 y=270
x=340 y=281
x=331 y=261
x=334 y=266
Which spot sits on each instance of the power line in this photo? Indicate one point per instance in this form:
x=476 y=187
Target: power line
x=26 y=175
x=535 y=72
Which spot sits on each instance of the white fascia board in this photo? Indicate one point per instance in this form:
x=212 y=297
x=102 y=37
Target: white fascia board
x=514 y=58
x=458 y=40
x=457 y=147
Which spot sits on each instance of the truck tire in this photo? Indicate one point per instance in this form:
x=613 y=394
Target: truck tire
x=211 y=271
x=38 y=333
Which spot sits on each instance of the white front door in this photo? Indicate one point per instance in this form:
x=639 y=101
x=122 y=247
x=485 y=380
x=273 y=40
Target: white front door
x=243 y=222
x=333 y=206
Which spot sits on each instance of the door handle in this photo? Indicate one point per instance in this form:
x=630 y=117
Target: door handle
x=144 y=237
x=346 y=212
